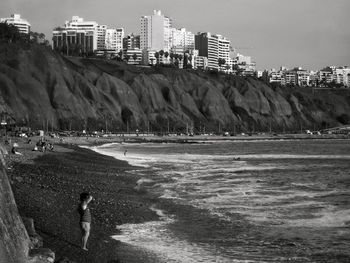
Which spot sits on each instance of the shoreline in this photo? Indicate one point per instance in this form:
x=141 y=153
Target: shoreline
x=143 y=138
x=47 y=186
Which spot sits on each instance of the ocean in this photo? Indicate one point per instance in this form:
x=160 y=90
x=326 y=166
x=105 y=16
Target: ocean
x=242 y=201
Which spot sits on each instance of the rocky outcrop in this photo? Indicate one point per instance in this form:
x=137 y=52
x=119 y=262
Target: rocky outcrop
x=14 y=240
x=41 y=88
x=16 y=246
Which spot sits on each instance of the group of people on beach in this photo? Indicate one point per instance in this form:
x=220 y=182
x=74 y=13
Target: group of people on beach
x=43 y=145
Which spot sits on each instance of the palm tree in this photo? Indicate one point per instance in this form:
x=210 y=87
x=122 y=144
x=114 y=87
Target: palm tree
x=134 y=56
x=180 y=57
x=176 y=57
x=156 y=54
x=166 y=55
x=120 y=54
x=221 y=61
x=161 y=54
x=172 y=57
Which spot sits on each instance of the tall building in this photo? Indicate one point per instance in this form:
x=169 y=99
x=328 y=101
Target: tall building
x=114 y=40
x=213 y=47
x=16 y=20
x=131 y=41
x=155 y=32
x=342 y=76
x=76 y=36
x=101 y=36
x=181 y=38
x=86 y=37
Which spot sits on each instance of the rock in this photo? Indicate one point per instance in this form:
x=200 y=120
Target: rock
x=29 y=225
x=41 y=255
x=36 y=240
x=14 y=240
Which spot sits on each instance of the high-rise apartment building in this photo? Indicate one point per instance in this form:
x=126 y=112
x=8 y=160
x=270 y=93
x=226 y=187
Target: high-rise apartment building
x=101 y=36
x=213 y=47
x=114 y=40
x=85 y=37
x=16 y=20
x=181 y=39
x=76 y=35
x=155 y=32
x=131 y=41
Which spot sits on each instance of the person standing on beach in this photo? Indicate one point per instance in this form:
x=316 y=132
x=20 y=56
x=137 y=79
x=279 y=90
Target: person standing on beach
x=85 y=218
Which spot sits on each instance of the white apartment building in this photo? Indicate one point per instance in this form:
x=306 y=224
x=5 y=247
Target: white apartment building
x=181 y=38
x=245 y=64
x=134 y=56
x=76 y=33
x=303 y=77
x=342 y=76
x=290 y=77
x=275 y=76
x=114 y=40
x=297 y=76
x=78 y=36
x=148 y=57
x=326 y=75
x=200 y=62
x=155 y=32
x=16 y=20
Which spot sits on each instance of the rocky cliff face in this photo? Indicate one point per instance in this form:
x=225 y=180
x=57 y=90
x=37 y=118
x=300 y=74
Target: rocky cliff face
x=19 y=242
x=41 y=88
x=14 y=240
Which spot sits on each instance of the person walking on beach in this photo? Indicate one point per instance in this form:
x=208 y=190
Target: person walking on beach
x=85 y=218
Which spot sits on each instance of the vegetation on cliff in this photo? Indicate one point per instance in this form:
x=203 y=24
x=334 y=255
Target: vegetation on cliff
x=42 y=89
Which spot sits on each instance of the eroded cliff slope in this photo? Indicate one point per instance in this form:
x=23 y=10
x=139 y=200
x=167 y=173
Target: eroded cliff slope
x=41 y=88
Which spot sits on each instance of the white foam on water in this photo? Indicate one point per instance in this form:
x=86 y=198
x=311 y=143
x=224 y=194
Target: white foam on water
x=156 y=237
x=330 y=216
x=223 y=185
x=293 y=156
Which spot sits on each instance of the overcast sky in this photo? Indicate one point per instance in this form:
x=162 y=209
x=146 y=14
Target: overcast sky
x=307 y=33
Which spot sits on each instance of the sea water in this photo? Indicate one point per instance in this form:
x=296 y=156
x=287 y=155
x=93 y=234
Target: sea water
x=243 y=201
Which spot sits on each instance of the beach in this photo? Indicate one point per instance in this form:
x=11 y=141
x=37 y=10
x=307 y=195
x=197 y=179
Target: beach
x=47 y=187
x=125 y=229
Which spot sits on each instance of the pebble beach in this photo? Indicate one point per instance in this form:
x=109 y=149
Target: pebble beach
x=47 y=187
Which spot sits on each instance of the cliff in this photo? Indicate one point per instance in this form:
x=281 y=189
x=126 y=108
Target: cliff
x=19 y=242
x=14 y=241
x=40 y=88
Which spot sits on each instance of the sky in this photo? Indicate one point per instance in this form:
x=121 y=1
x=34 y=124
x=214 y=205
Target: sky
x=294 y=33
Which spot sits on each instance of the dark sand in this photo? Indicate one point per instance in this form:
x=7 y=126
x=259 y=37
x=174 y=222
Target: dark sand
x=47 y=187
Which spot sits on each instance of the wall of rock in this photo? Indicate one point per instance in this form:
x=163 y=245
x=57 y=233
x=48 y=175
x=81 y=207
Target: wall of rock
x=19 y=242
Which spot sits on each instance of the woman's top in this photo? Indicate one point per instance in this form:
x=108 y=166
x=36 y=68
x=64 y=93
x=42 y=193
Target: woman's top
x=85 y=215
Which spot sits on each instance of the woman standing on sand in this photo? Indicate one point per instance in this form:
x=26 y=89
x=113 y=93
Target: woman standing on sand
x=85 y=218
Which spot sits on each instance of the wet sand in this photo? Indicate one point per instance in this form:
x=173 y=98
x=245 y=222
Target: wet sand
x=47 y=187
